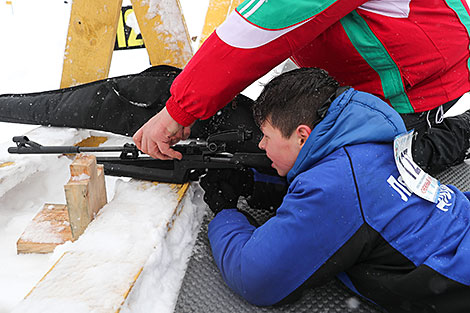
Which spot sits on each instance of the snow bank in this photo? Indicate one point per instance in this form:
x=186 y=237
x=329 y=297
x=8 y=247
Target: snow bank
x=158 y=286
x=19 y=167
x=94 y=272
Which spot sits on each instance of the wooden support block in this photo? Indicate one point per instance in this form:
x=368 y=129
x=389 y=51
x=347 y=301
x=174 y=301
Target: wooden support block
x=85 y=192
x=48 y=229
x=164 y=31
x=217 y=12
x=90 y=41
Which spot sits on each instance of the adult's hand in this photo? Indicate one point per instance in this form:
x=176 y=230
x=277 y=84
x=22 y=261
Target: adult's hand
x=159 y=133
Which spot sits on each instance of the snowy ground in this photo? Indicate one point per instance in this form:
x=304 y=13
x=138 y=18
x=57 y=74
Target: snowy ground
x=33 y=36
x=33 y=41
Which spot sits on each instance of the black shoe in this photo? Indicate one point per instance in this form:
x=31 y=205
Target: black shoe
x=466 y=116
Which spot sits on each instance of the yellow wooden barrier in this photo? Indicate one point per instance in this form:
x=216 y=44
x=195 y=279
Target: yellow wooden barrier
x=216 y=13
x=92 y=34
x=90 y=41
x=164 y=32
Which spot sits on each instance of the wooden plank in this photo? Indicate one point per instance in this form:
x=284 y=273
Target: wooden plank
x=217 y=12
x=180 y=191
x=48 y=229
x=90 y=41
x=5 y=164
x=73 y=278
x=92 y=141
x=85 y=192
x=164 y=31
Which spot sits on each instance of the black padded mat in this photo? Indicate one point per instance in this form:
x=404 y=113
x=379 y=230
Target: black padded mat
x=204 y=291
x=458 y=176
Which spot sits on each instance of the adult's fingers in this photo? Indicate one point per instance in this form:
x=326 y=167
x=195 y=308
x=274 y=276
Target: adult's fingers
x=168 y=152
x=138 y=139
x=157 y=149
x=151 y=148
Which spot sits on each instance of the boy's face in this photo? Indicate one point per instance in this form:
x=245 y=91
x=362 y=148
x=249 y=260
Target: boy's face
x=282 y=151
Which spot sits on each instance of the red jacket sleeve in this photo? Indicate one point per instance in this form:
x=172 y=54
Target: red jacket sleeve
x=216 y=74
x=219 y=71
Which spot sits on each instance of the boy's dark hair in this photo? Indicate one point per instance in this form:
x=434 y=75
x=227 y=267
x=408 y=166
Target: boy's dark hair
x=293 y=98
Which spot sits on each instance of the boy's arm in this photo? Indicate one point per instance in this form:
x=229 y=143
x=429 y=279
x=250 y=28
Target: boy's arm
x=312 y=238
x=245 y=48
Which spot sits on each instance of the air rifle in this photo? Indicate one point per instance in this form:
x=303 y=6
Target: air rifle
x=197 y=157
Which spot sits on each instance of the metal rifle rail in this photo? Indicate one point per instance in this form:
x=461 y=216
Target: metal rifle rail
x=198 y=156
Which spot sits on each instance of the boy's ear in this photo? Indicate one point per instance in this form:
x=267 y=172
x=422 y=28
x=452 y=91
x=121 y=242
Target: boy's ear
x=302 y=132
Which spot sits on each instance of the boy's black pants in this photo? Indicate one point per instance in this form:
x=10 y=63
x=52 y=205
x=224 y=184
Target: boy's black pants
x=439 y=142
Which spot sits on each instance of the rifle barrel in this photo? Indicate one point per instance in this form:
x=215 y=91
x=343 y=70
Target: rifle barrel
x=62 y=149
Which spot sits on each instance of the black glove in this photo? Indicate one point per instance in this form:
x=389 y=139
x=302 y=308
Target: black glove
x=268 y=191
x=223 y=187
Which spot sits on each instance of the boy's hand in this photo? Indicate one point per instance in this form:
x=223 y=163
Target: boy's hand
x=224 y=187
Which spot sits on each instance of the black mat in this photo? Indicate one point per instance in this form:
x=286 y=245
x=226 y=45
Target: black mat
x=203 y=289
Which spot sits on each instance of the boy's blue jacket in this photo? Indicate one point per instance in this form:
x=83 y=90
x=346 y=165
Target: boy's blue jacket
x=347 y=214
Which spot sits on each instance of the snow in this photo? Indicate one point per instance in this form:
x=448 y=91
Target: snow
x=26 y=165
x=127 y=232
x=170 y=258
x=34 y=37
x=80 y=177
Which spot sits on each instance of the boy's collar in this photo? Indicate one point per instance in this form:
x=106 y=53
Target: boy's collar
x=323 y=109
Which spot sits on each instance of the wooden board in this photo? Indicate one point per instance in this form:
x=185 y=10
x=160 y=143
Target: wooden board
x=164 y=31
x=73 y=278
x=90 y=41
x=217 y=12
x=48 y=229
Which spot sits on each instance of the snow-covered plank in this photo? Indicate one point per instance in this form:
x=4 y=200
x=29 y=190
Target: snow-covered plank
x=96 y=272
x=90 y=41
x=48 y=229
x=164 y=31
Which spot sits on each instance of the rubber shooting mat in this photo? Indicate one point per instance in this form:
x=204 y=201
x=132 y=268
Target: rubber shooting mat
x=204 y=291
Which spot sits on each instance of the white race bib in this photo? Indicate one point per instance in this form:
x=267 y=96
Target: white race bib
x=416 y=179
